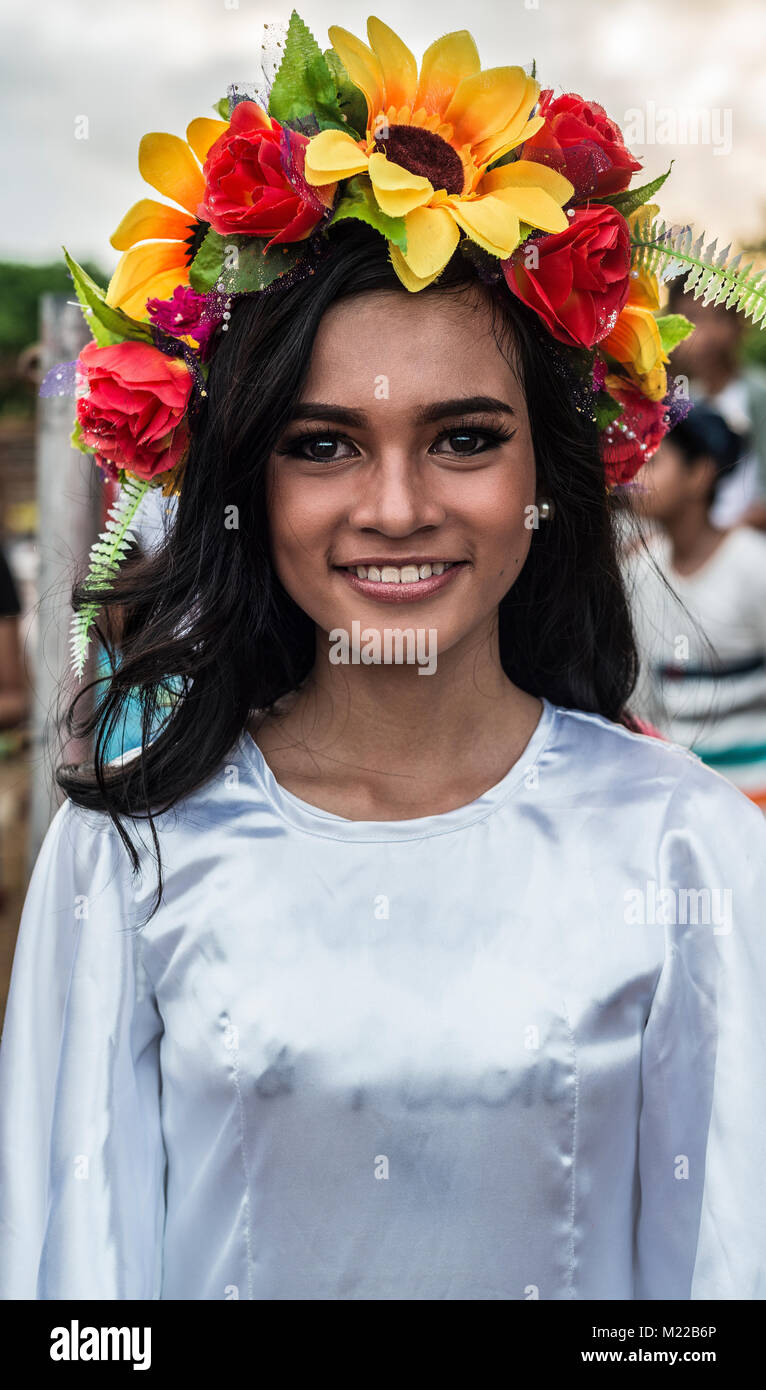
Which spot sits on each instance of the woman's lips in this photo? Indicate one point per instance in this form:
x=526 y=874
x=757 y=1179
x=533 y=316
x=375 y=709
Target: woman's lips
x=402 y=592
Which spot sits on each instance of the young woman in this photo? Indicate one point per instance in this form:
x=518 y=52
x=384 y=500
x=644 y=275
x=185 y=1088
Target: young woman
x=451 y=984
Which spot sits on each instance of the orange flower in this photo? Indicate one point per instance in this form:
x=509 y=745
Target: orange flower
x=160 y=242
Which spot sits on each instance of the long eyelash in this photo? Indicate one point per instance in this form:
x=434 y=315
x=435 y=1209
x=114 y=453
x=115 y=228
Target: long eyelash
x=310 y=437
x=494 y=432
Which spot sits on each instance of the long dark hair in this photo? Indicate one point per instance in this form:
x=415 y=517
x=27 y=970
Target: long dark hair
x=205 y=614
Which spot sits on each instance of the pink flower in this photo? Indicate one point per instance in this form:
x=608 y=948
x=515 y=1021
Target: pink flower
x=185 y=314
x=133 y=405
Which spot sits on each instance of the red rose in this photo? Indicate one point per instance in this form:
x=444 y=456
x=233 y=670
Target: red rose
x=246 y=187
x=632 y=439
x=133 y=411
x=582 y=278
x=582 y=143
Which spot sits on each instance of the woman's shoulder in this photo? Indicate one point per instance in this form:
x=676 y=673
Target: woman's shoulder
x=641 y=769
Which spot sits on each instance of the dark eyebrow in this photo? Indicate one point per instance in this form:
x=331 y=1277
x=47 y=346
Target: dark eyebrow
x=440 y=410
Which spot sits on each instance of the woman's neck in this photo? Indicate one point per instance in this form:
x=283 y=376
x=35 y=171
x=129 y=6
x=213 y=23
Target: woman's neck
x=383 y=742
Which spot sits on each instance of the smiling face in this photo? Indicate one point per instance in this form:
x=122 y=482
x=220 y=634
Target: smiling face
x=409 y=450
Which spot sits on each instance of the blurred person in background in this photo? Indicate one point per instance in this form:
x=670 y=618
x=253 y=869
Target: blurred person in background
x=712 y=359
x=14 y=690
x=702 y=643
x=14 y=693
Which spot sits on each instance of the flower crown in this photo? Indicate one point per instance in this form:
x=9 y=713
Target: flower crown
x=444 y=159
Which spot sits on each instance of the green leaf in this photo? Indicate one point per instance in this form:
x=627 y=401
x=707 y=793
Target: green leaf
x=606 y=409
x=254 y=268
x=108 y=325
x=206 y=266
x=351 y=100
x=106 y=556
x=673 y=329
x=239 y=263
x=221 y=108
x=359 y=202
x=304 y=85
x=711 y=275
x=634 y=198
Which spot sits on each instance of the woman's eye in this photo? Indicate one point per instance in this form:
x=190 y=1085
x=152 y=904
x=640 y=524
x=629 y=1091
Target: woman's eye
x=320 y=448
x=465 y=443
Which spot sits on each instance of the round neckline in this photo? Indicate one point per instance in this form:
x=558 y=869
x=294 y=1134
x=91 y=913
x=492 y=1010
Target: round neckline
x=316 y=821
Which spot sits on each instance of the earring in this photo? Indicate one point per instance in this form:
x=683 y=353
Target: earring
x=545 y=510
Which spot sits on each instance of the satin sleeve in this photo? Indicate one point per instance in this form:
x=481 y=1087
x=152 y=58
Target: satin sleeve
x=701 y=1225
x=82 y=1160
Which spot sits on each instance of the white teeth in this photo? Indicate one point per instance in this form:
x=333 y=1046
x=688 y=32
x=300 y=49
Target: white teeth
x=406 y=574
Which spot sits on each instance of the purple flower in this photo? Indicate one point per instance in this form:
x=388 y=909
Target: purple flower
x=183 y=314
x=599 y=374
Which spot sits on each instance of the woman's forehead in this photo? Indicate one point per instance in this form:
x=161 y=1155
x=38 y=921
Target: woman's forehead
x=435 y=343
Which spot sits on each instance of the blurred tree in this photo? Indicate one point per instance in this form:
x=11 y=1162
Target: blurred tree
x=20 y=289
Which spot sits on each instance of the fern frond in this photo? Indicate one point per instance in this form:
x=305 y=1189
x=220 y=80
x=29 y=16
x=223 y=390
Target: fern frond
x=106 y=556
x=668 y=252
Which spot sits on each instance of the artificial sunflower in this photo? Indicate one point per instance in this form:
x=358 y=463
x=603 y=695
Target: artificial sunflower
x=160 y=242
x=429 y=140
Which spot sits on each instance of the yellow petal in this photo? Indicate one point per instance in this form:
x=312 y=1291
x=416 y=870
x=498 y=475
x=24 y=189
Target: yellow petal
x=535 y=207
x=485 y=152
x=397 y=191
x=149 y=219
x=400 y=71
x=432 y=236
x=333 y=155
x=444 y=66
x=167 y=163
x=410 y=281
x=486 y=102
x=361 y=65
x=490 y=221
x=141 y=269
x=525 y=173
x=635 y=340
x=644 y=290
x=202 y=133
x=654 y=384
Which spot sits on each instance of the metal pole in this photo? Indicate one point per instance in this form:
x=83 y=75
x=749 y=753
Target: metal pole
x=69 y=500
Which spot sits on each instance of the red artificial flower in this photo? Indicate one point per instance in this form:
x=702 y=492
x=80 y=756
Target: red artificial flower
x=628 y=442
x=581 y=278
x=582 y=143
x=246 y=187
x=133 y=407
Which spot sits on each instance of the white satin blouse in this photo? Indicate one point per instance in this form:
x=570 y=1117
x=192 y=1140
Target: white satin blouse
x=512 y=1051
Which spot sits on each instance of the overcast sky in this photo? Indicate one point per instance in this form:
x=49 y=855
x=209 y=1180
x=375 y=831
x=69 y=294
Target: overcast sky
x=131 y=66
